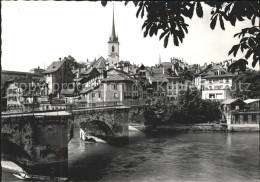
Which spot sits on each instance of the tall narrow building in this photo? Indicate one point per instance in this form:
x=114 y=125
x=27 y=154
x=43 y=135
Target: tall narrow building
x=113 y=46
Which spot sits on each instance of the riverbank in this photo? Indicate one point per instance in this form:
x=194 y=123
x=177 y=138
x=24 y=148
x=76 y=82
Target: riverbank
x=11 y=167
x=187 y=128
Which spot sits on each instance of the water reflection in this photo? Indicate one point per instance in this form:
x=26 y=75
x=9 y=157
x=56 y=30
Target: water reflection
x=183 y=157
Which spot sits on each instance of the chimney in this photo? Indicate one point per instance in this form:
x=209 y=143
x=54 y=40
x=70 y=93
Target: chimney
x=105 y=73
x=79 y=72
x=163 y=70
x=173 y=68
x=127 y=69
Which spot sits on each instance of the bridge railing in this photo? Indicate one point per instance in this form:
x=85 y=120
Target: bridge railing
x=74 y=106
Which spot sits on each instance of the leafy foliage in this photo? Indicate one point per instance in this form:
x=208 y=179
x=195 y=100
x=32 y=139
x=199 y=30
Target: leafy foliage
x=239 y=64
x=247 y=85
x=250 y=41
x=72 y=63
x=168 y=19
x=192 y=109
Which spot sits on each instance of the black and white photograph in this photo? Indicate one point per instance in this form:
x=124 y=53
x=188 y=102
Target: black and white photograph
x=130 y=91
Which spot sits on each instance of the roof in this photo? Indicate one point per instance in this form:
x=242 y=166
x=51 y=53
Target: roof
x=77 y=79
x=118 y=77
x=167 y=65
x=53 y=67
x=230 y=101
x=85 y=90
x=19 y=73
x=219 y=76
x=6 y=75
x=209 y=72
x=159 y=77
x=157 y=70
x=23 y=81
x=91 y=72
x=142 y=67
x=249 y=101
x=67 y=92
x=98 y=64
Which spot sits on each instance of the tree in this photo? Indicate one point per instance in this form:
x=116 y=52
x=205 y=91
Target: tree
x=72 y=63
x=170 y=19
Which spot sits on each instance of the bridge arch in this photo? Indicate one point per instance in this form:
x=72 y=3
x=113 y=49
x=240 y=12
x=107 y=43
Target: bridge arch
x=13 y=152
x=96 y=128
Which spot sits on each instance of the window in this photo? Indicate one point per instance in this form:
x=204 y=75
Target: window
x=10 y=91
x=162 y=94
x=212 y=96
x=227 y=80
x=99 y=95
x=210 y=81
x=114 y=86
x=115 y=95
x=245 y=118
x=210 y=87
x=237 y=118
x=254 y=118
x=93 y=95
x=220 y=81
x=217 y=87
x=113 y=48
x=155 y=94
x=170 y=87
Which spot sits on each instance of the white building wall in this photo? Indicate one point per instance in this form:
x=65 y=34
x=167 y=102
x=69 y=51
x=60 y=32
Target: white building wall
x=215 y=94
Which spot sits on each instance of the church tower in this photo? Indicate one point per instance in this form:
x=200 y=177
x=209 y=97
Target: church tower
x=113 y=46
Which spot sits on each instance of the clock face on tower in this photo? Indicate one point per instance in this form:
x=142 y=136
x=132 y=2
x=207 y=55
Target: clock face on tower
x=113 y=55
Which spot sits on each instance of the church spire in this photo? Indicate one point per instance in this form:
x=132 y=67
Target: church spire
x=113 y=35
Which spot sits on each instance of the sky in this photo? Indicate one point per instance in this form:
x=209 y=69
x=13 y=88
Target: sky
x=36 y=33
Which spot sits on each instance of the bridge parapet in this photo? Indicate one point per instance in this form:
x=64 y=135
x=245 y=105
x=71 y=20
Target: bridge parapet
x=116 y=118
x=47 y=107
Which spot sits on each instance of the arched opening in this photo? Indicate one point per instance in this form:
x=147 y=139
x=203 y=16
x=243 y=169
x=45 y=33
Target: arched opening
x=172 y=98
x=98 y=129
x=13 y=152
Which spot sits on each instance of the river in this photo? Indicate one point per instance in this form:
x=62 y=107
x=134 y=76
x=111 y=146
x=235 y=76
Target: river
x=175 y=157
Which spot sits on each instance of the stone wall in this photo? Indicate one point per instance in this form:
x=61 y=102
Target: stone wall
x=37 y=139
x=115 y=118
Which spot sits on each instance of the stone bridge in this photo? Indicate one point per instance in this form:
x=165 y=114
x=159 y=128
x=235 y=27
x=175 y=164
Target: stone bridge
x=115 y=118
x=36 y=139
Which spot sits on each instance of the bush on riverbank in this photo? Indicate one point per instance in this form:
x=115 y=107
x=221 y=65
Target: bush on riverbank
x=192 y=109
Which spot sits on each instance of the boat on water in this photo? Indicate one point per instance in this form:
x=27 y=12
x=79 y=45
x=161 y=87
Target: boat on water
x=29 y=177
